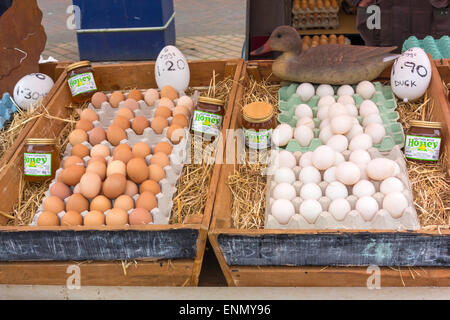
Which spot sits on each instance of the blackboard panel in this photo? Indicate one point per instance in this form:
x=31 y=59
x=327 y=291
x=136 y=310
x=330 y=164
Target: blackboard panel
x=336 y=249
x=97 y=245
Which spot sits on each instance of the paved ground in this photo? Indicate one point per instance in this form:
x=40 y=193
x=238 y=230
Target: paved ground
x=205 y=29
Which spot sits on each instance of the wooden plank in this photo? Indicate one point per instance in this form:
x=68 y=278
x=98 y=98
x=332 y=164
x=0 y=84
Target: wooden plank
x=443 y=66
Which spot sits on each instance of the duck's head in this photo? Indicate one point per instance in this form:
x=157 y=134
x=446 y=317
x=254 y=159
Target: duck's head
x=283 y=38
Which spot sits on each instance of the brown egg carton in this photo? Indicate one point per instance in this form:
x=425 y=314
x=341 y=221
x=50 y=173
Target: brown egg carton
x=316 y=40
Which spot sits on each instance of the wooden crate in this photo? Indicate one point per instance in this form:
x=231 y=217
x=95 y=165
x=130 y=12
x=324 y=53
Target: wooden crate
x=168 y=255
x=326 y=257
x=443 y=66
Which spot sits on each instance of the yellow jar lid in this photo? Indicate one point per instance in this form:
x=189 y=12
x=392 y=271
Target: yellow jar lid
x=211 y=101
x=79 y=64
x=258 y=112
x=425 y=124
x=40 y=141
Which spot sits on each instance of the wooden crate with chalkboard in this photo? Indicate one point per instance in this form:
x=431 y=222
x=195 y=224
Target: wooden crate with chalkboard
x=277 y=257
x=147 y=255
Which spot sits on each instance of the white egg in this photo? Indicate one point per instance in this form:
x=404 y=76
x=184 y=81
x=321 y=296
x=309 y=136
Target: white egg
x=305 y=91
x=336 y=109
x=31 y=89
x=282 y=210
x=282 y=134
x=371 y=119
x=322 y=112
x=336 y=190
x=390 y=185
x=359 y=157
x=323 y=157
x=363 y=188
x=310 y=191
x=303 y=110
x=284 y=175
x=326 y=101
x=367 y=207
x=284 y=191
x=341 y=124
x=324 y=123
x=351 y=110
x=346 y=99
x=286 y=159
x=339 y=208
x=303 y=135
x=362 y=141
x=325 y=90
x=338 y=142
x=395 y=203
x=366 y=89
x=325 y=134
x=345 y=90
x=348 y=173
x=356 y=129
x=305 y=121
x=367 y=107
x=310 y=175
x=177 y=75
x=363 y=170
x=376 y=131
x=330 y=175
x=306 y=159
x=310 y=209
x=380 y=169
x=339 y=158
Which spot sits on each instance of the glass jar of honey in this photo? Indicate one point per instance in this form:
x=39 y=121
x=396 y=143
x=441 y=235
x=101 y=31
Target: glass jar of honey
x=40 y=159
x=423 y=141
x=208 y=116
x=258 y=123
x=80 y=77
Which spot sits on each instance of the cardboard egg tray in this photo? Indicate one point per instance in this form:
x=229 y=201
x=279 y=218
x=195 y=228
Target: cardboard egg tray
x=7 y=108
x=160 y=214
x=301 y=18
x=438 y=48
x=353 y=220
x=383 y=98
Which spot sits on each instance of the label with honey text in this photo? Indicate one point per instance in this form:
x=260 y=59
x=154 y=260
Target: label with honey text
x=37 y=164
x=206 y=122
x=422 y=148
x=257 y=139
x=82 y=83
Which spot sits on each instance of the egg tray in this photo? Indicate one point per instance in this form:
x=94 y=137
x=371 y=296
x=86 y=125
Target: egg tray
x=383 y=98
x=382 y=219
x=439 y=49
x=7 y=108
x=322 y=23
x=299 y=14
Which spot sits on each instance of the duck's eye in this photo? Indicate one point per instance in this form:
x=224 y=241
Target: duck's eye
x=279 y=35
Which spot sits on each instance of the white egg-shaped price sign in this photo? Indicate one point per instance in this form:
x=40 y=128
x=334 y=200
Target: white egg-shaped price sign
x=411 y=74
x=172 y=69
x=31 y=89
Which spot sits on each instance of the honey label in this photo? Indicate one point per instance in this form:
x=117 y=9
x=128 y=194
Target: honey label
x=37 y=164
x=82 y=83
x=206 y=122
x=257 y=139
x=422 y=148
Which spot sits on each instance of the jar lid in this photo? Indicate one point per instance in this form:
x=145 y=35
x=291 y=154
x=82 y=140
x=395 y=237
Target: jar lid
x=211 y=101
x=425 y=124
x=79 y=64
x=40 y=141
x=258 y=112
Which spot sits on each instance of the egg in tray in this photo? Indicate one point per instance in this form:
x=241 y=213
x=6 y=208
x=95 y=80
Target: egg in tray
x=314 y=41
x=122 y=161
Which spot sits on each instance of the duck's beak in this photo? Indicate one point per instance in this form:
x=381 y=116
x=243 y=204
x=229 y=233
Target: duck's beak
x=261 y=50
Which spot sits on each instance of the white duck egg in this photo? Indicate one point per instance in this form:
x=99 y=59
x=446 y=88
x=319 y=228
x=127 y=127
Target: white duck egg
x=330 y=175
x=306 y=160
x=336 y=190
x=376 y=131
x=303 y=110
x=362 y=141
x=324 y=123
x=367 y=107
x=310 y=175
x=303 y=135
x=346 y=99
x=345 y=90
x=310 y=209
x=286 y=159
x=367 y=207
x=372 y=118
x=336 y=109
x=366 y=89
x=339 y=208
x=305 y=121
x=326 y=101
x=395 y=203
x=325 y=90
x=282 y=134
x=322 y=112
x=323 y=157
x=348 y=173
x=338 y=142
x=390 y=185
x=341 y=124
x=351 y=109
x=363 y=170
x=282 y=210
x=363 y=188
x=356 y=129
x=310 y=191
x=305 y=91
x=380 y=169
x=284 y=175
x=359 y=157
x=284 y=191
x=339 y=158
x=325 y=134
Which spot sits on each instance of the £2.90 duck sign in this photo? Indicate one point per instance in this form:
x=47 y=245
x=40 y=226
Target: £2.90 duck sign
x=411 y=74
x=172 y=69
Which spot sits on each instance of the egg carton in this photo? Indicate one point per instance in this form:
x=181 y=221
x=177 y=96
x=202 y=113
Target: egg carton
x=315 y=10
x=353 y=220
x=438 y=48
x=315 y=22
x=383 y=98
x=7 y=108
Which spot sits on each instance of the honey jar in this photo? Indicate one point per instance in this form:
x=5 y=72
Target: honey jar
x=80 y=77
x=40 y=159
x=423 y=141
x=258 y=123
x=208 y=116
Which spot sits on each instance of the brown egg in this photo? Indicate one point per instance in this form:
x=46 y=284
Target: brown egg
x=100 y=150
x=169 y=92
x=180 y=120
x=151 y=186
x=138 y=124
x=141 y=149
x=97 y=159
x=97 y=167
x=341 y=39
x=80 y=150
x=163 y=146
x=72 y=175
x=89 y=115
x=130 y=104
x=182 y=110
x=114 y=185
x=94 y=218
x=116 y=167
x=158 y=124
x=156 y=173
x=123 y=154
x=125 y=112
x=77 y=202
x=164 y=112
x=115 y=98
x=115 y=134
x=72 y=218
x=140 y=216
x=60 y=190
x=96 y=136
x=161 y=159
x=116 y=217
x=98 y=98
x=53 y=204
x=100 y=203
x=121 y=122
x=124 y=202
x=84 y=125
x=175 y=133
x=77 y=136
x=150 y=96
x=131 y=189
x=147 y=200
x=90 y=185
x=137 y=170
x=166 y=102
x=48 y=219
x=73 y=160
x=135 y=94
